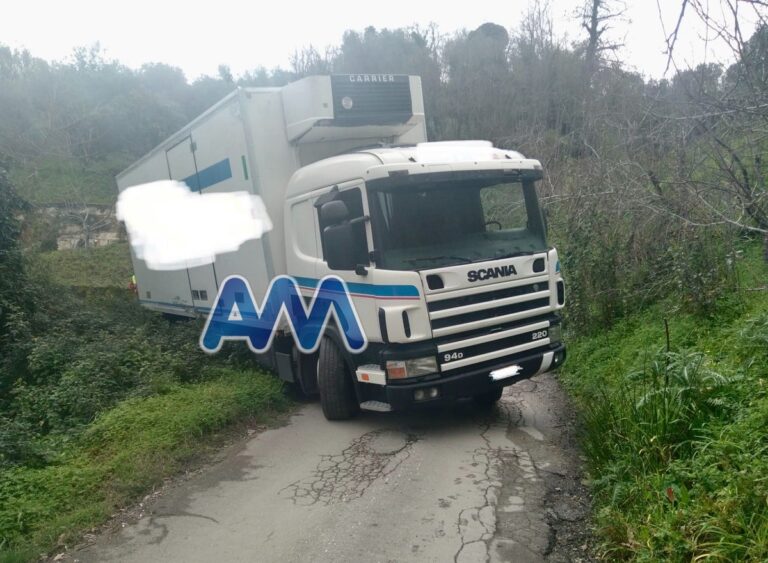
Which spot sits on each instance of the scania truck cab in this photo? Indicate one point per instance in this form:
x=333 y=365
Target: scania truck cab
x=442 y=245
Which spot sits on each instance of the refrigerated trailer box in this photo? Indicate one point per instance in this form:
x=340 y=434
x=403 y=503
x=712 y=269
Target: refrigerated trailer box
x=448 y=265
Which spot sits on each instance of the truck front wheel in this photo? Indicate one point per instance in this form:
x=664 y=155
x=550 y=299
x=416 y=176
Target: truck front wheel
x=337 y=392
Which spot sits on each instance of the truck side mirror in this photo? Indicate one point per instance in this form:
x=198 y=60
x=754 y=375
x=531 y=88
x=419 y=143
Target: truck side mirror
x=338 y=241
x=334 y=212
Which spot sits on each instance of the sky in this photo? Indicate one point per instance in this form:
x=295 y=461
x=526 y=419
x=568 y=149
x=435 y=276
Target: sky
x=198 y=37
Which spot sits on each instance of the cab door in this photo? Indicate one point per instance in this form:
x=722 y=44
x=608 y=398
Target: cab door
x=362 y=288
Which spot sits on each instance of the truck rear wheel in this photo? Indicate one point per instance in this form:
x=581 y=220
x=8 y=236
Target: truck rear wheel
x=337 y=392
x=489 y=398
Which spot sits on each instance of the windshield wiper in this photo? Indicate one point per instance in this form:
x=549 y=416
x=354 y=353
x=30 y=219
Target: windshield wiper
x=515 y=254
x=433 y=258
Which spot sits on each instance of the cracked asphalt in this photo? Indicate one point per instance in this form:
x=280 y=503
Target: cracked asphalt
x=455 y=484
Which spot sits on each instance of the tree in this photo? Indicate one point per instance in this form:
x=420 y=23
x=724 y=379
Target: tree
x=723 y=149
x=309 y=61
x=225 y=74
x=396 y=51
x=546 y=78
x=88 y=219
x=479 y=95
x=15 y=298
x=597 y=17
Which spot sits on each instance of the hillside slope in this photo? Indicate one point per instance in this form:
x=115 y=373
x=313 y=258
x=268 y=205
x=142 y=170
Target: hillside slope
x=675 y=427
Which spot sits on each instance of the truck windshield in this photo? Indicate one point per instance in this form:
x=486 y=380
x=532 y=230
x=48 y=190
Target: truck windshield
x=430 y=225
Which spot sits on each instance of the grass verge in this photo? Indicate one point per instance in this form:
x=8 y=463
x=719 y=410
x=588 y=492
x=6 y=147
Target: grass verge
x=676 y=434
x=124 y=453
x=103 y=266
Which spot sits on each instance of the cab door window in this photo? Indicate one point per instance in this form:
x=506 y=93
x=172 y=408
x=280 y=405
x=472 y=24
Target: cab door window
x=353 y=199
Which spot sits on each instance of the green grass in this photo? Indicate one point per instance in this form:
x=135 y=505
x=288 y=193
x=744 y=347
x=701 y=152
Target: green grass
x=109 y=401
x=677 y=441
x=105 y=266
x=122 y=455
x=58 y=180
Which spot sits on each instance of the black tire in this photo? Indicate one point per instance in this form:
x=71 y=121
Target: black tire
x=489 y=398
x=337 y=392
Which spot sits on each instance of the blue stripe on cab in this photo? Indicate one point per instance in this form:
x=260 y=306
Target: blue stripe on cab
x=207 y=177
x=383 y=291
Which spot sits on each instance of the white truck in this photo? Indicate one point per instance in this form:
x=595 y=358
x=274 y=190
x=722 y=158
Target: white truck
x=447 y=260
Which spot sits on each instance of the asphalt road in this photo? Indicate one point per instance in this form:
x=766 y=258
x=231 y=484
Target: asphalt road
x=455 y=484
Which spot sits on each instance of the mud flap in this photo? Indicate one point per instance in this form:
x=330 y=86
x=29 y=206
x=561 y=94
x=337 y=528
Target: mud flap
x=284 y=367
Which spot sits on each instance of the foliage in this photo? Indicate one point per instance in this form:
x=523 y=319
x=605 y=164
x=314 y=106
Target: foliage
x=649 y=188
x=104 y=399
x=105 y=266
x=627 y=160
x=125 y=452
x=16 y=299
x=676 y=440
x=52 y=180
x=98 y=347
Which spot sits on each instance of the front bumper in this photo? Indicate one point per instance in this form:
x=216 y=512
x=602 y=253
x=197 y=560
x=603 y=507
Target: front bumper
x=475 y=382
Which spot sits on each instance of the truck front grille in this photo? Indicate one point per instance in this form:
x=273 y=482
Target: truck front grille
x=491 y=323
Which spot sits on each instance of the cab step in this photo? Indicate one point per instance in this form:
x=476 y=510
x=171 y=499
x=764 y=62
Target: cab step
x=378 y=406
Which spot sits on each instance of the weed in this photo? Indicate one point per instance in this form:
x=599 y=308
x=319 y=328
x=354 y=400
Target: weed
x=125 y=452
x=676 y=440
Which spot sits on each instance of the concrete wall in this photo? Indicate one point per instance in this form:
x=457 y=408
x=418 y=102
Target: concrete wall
x=75 y=224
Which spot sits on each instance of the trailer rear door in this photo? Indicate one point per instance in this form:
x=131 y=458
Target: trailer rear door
x=183 y=167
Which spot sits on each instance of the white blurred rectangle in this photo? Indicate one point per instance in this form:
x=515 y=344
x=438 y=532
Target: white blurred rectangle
x=503 y=373
x=172 y=228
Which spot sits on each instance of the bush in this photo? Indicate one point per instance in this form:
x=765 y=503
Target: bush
x=16 y=298
x=123 y=453
x=105 y=266
x=92 y=349
x=676 y=441
x=655 y=413
x=619 y=257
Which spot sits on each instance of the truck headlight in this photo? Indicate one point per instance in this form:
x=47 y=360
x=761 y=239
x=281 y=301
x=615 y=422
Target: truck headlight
x=400 y=369
x=555 y=334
